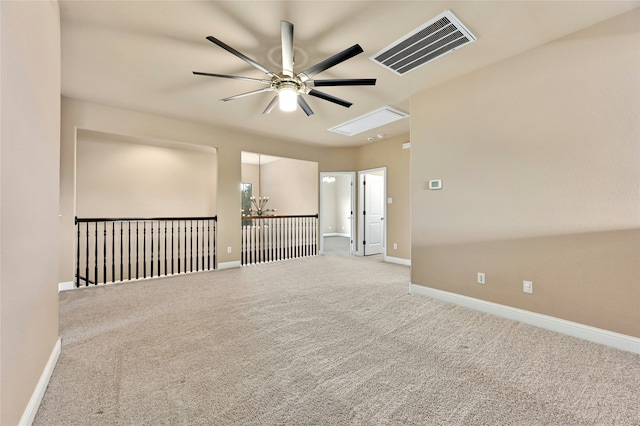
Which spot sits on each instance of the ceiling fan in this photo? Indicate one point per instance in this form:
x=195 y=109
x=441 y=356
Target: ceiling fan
x=288 y=86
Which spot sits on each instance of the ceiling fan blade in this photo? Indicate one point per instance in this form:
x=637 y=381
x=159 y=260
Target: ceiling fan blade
x=242 y=95
x=346 y=82
x=234 y=77
x=304 y=105
x=330 y=62
x=329 y=98
x=271 y=105
x=240 y=55
x=286 y=30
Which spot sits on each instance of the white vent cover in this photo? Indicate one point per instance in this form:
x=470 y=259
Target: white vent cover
x=377 y=118
x=441 y=35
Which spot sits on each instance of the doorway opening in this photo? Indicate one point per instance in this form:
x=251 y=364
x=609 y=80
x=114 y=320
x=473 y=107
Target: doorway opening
x=337 y=208
x=372 y=210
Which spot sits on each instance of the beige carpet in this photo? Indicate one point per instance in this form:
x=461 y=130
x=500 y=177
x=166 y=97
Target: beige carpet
x=328 y=340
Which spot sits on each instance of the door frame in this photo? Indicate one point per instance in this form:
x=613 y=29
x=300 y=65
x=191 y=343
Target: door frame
x=361 y=175
x=352 y=178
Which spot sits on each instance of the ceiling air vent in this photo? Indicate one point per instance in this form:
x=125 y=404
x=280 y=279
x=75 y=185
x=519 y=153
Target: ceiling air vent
x=441 y=35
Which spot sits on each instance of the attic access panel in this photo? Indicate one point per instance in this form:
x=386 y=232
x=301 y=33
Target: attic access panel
x=439 y=36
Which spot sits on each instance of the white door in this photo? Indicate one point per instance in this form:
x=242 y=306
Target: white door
x=373 y=214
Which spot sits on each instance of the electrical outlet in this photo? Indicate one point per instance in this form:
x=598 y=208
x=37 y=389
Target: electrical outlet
x=229 y=249
x=481 y=278
x=527 y=286
x=395 y=246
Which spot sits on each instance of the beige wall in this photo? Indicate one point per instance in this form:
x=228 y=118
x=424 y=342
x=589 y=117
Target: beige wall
x=390 y=154
x=124 y=179
x=539 y=158
x=291 y=185
x=29 y=167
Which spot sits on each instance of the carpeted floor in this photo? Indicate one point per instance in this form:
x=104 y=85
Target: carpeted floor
x=337 y=245
x=327 y=340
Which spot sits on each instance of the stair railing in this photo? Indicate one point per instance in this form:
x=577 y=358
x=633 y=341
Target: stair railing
x=114 y=250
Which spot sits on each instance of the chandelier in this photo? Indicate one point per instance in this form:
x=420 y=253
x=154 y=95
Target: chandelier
x=259 y=206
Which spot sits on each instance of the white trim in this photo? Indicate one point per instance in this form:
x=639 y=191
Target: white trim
x=36 y=398
x=582 y=331
x=398 y=260
x=229 y=265
x=336 y=234
x=67 y=285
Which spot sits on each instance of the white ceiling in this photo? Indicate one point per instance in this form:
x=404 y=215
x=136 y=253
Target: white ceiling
x=140 y=55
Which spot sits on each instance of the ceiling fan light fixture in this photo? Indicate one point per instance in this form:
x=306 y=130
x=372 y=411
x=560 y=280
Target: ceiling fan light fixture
x=288 y=97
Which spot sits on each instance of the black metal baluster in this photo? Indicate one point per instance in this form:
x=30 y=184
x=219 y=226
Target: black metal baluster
x=172 y=245
x=137 y=249
x=95 y=277
x=165 y=249
x=129 y=250
x=197 y=244
x=151 y=260
x=295 y=237
x=86 y=277
x=78 y=255
x=178 y=247
x=276 y=236
x=313 y=236
x=309 y=236
x=113 y=252
x=209 y=244
x=144 y=249
x=284 y=238
x=305 y=242
x=303 y=239
x=203 y=267
x=299 y=234
x=121 y=249
x=104 y=253
x=185 y=246
x=281 y=239
x=190 y=245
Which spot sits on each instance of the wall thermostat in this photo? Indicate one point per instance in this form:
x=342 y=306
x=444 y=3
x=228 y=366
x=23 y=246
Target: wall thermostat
x=435 y=184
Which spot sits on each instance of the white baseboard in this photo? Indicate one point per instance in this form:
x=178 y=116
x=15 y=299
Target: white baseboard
x=229 y=265
x=398 y=260
x=582 y=331
x=67 y=285
x=36 y=397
